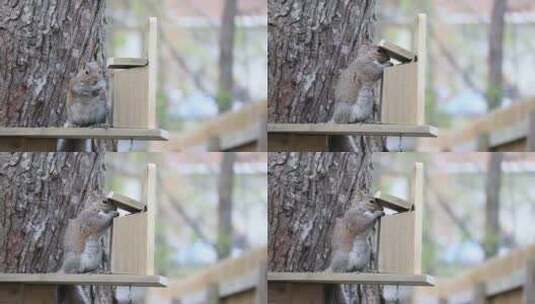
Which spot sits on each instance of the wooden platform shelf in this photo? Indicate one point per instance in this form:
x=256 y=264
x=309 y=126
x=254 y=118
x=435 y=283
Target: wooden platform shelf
x=351 y=278
x=315 y=137
x=81 y=133
x=42 y=288
x=46 y=139
x=83 y=279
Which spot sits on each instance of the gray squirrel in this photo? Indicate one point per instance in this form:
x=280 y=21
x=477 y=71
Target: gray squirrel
x=87 y=104
x=82 y=248
x=354 y=91
x=350 y=248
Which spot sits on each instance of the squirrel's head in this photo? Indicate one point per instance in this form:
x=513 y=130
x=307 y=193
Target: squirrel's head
x=366 y=202
x=374 y=52
x=90 y=73
x=378 y=54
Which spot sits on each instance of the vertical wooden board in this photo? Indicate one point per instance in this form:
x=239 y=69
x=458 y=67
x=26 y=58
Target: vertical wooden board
x=529 y=285
x=417 y=197
x=246 y=297
x=261 y=287
x=530 y=136
x=442 y=301
x=149 y=197
x=152 y=55
x=483 y=142
x=262 y=141
x=129 y=243
x=287 y=293
x=212 y=294
x=510 y=297
x=130 y=96
x=519 y=145
x=10 y=293
x=278 y=142
x=397 y=248
x=479 y=294
x=37 y=294
x=399 y=95
x=421 y=55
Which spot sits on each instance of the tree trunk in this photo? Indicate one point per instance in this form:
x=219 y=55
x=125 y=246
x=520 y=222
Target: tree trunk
x=40 y=193
x=307 y=192
x=225 y=186
x=309 y=43
x=43 y=44
x=492 y=206
x=226 y=57
x=495 y=59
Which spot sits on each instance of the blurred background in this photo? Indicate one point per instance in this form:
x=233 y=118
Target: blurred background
x=211 y=91
x=478 y=215
x=211 y=219
x=480 y=89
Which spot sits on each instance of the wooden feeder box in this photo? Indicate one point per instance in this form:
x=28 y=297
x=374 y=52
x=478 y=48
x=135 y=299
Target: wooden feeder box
x=133 y=95
x=399 y=255
x=402 y=105
x=132 y=255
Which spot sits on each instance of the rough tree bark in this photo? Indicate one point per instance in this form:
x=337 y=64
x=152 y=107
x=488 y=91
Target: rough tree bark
x=225 y=185
x=309 y=43
x=495 y=57
x=226 y=57
x=307 y=192
x=492 y=205
x=40 y=192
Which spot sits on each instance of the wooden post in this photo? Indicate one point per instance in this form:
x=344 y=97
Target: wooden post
x=152 y=55
x=483 y=143
x=528 y=296
x=261 y=296
x=262 y=139
x=530 y=136
x=149 y=195
x=421 y=55
x=212 y=294
x=480 y=293
x=417 y=197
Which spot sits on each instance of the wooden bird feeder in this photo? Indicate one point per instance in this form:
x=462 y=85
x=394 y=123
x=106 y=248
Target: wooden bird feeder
x=132 y=255
x=133 y=94
x=398 y=248
x=402 y=105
